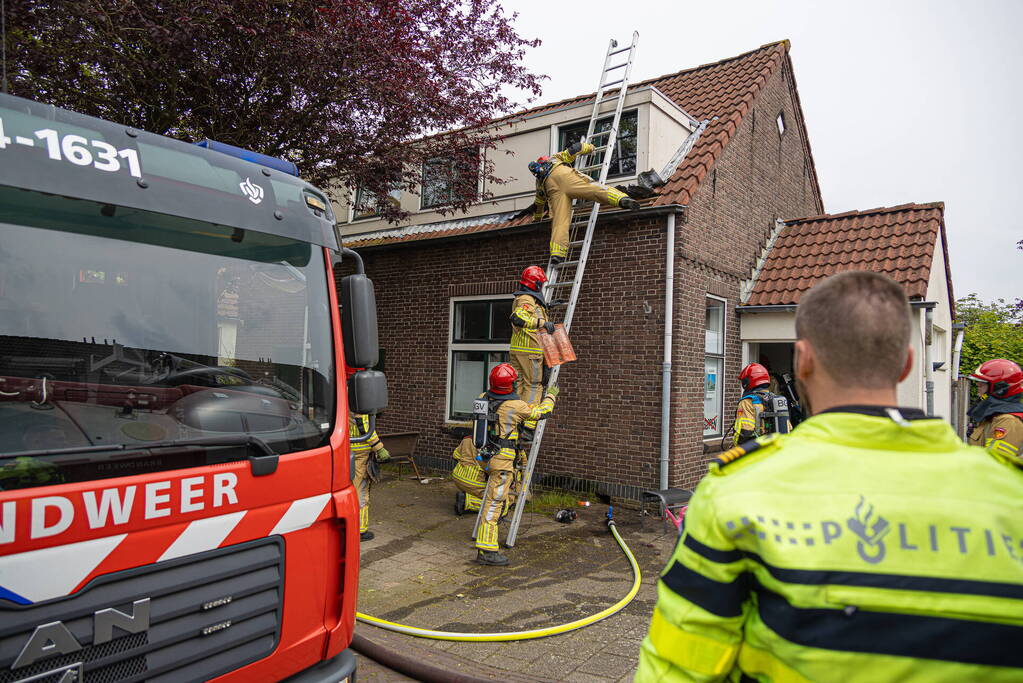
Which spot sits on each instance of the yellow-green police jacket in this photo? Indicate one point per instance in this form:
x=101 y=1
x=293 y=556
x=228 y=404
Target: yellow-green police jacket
x=854 y=549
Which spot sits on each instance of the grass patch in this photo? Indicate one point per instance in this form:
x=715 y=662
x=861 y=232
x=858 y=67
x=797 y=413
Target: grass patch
x=549 y=502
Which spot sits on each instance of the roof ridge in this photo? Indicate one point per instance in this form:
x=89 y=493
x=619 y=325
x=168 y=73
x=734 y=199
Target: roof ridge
x=910 y=206
x=785 y=44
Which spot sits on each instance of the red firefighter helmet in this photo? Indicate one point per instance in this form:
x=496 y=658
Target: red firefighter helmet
x=754 y=375
x=533 y=277
x=502 y=379
x=1004 y=378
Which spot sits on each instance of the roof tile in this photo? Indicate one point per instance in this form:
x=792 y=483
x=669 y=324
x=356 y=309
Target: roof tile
x=898 y=241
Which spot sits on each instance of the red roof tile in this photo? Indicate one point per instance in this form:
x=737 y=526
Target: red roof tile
x=897 y=241
x=724 y=90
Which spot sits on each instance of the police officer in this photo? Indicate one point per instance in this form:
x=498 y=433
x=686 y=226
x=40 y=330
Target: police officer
x=558 y=183
x=999 y=416
x=870 y=544
x=511 y=412
x=756 y=397
x=358 y=426
x=529 y=316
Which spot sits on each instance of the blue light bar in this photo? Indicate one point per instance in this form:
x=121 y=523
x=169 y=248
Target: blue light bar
x=248 y=155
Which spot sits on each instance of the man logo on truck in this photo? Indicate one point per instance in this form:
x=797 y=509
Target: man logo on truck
x=55 y=638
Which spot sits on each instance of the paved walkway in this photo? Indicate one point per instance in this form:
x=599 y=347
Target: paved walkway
x=420 y=571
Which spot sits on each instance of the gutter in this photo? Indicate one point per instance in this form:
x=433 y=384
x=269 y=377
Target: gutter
x=789 y=308
x=669 y=305
x=611 y=217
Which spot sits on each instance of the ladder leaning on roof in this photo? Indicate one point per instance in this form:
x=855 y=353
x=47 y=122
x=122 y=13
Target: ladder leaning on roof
x=569 y=273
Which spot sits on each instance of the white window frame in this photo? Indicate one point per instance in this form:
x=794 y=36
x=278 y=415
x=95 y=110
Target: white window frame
x=555 y=136
x=352 y=204
x=463 y=346
x=723 y=357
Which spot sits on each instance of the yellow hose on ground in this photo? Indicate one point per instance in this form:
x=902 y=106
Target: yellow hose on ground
x=522 y=635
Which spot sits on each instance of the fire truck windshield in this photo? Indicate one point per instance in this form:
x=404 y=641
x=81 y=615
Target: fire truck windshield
x=119 y=326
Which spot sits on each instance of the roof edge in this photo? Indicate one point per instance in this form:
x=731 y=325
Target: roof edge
x=940 y=206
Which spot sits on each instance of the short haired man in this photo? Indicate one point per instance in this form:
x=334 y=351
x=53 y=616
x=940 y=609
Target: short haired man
x=870 y=544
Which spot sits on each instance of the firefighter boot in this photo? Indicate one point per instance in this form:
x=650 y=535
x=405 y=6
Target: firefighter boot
x=459 y=504
x=629 y=203
x=366 y=536
x=492 y=558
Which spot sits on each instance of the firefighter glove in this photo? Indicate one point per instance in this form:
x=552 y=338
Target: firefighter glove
x=553 y=391
x=549 y=326
x=383 y=455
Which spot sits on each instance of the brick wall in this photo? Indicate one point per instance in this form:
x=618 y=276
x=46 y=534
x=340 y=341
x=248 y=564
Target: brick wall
x=606 y=427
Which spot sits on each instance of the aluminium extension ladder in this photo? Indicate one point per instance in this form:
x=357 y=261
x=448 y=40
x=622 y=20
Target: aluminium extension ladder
x=569 y=273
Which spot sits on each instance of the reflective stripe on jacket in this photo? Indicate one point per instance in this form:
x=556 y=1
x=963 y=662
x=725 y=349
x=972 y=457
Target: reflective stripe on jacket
x=853 y=549
x=358 y=425
x=1002 y=436
x=528 y=316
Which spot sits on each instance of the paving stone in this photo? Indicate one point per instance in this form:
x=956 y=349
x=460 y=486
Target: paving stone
x=609 y=665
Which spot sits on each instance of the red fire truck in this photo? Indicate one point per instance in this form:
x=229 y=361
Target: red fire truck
x=176 y=373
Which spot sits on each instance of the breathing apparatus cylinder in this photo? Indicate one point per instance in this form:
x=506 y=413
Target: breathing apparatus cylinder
x=776 y=415
x=480 y=408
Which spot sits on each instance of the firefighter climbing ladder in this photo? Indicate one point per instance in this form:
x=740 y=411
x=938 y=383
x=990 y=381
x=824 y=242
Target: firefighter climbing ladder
x=569 y=273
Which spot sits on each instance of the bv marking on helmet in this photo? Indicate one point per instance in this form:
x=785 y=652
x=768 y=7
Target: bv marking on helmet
x=870 y=531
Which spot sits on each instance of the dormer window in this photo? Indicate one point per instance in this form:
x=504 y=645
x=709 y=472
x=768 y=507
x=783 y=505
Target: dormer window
x=623 y=161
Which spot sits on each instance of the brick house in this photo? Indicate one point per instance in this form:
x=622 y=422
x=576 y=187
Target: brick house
x=444 y=286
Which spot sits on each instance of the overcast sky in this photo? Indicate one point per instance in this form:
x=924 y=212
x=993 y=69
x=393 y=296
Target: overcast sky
x=904 y=101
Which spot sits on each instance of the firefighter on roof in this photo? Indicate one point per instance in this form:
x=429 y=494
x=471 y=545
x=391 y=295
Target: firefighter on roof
x=362 y=451
x=499 y=455
x=999 y=417
x=558 y=183
x=870 y=544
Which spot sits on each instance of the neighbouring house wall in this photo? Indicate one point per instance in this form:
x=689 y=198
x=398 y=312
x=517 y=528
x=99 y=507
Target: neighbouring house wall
x=937 y=290
x=760 y=177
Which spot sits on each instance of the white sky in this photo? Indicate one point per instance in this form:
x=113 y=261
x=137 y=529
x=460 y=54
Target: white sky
x=904 y=101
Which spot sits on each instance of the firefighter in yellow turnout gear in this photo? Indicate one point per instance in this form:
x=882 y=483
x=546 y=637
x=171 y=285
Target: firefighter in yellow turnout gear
x=558 y=183
x=362 y=451
x=529 y=316
x=469 y=478
x=998 y=418
x=510 y=412
x=870 y=544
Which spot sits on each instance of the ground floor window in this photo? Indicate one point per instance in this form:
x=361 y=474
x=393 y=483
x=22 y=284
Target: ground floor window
x=480 y=331
x=714 y=364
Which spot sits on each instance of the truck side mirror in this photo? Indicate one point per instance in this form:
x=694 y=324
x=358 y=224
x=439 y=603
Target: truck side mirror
x=367 y=392
x=359 y=321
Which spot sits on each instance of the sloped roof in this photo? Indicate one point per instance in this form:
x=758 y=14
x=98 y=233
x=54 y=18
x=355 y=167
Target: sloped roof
x=725 y=90
x=898 y=241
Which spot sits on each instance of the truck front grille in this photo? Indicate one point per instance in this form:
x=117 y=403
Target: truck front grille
x=209 y=613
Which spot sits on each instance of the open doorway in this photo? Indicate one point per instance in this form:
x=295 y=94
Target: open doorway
x=777 y=357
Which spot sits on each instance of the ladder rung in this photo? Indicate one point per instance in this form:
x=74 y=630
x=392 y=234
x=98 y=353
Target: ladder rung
x=616 y=66
x=561 y=284
x=557 y=304
x=610 y=83
x=590 y=168
x=577 y=243
x=600 y=133
x=619 y=51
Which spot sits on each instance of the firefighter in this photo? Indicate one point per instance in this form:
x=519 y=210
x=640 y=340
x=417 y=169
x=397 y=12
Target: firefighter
x=362 y=451
x=756 y=395
x=529 y=316
x=558 y=183
x=999 y=416
x=469 y=478
x=868 y=544
x=510 y=412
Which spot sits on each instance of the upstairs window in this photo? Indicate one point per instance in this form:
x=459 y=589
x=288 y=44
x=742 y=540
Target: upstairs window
x=623 y=160
x=367 y=204
x=450 y=178
x=714 y=367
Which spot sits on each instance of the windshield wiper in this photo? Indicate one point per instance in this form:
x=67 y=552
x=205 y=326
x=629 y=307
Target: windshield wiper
x=263 y=464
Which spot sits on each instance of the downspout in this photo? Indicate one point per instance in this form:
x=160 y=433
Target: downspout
x=928 y=364
x=669 y=306
x=957 y=352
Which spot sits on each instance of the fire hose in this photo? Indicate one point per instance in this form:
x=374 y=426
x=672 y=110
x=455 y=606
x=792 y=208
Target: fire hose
x=532 y=633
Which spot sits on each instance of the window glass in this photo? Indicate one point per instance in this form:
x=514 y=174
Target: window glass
x=483 y=321
x=448 y=178
x=715 y=327
x=469 y=372
x=623 y=159
x=712 y=396
x=367 y=204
